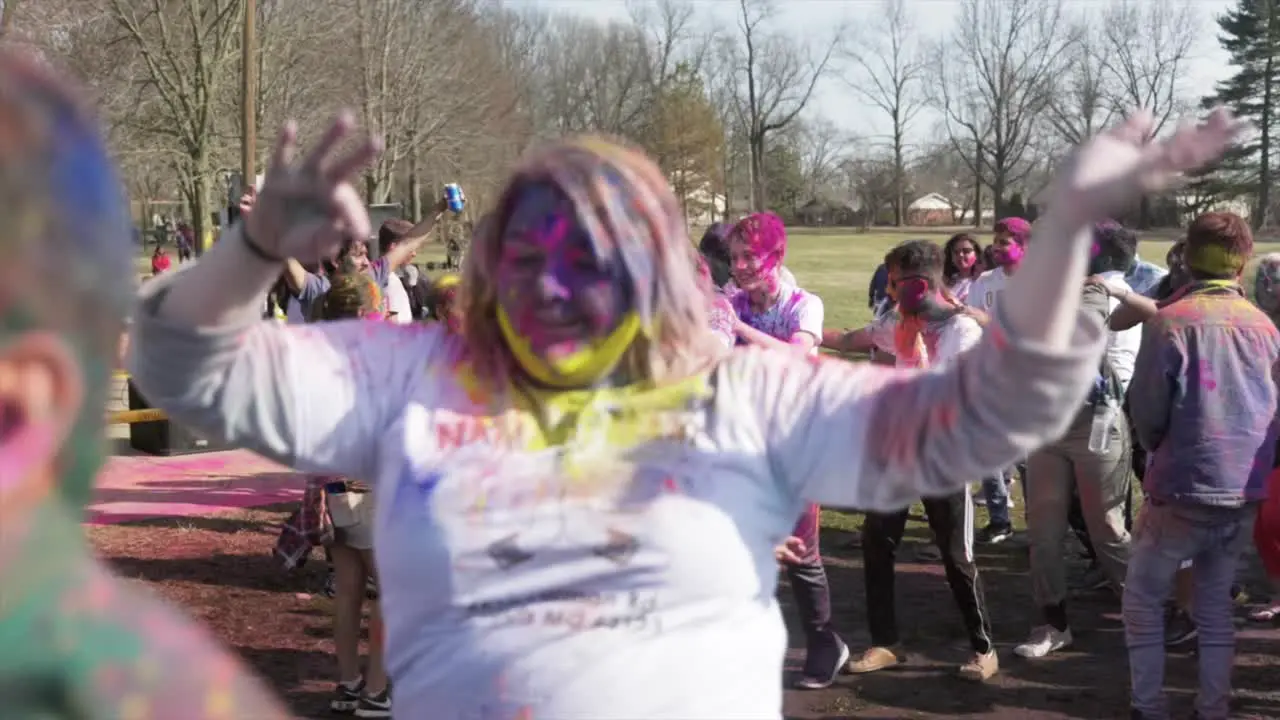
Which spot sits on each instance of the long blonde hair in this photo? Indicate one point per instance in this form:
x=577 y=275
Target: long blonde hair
x=630 y=213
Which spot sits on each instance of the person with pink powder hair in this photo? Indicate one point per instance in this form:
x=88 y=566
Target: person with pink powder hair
x=774 y=313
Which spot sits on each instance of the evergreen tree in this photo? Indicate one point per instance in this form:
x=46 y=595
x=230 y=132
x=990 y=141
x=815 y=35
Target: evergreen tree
x=1251 y=34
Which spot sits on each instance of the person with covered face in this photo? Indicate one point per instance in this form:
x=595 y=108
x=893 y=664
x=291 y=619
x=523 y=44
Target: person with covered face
x=930 y=330
x=773 y=313
x=584 y=488
x=1007 y=251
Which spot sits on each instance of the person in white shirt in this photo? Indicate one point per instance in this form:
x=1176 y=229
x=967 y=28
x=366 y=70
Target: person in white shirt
x=1007 y=250
x=391 y=234
x=585 y=489
x=774 y=313
x=1115 y=248
x=928 y=330
x=963 y=257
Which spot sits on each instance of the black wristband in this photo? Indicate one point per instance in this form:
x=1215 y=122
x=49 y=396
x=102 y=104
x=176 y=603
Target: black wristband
x=256 y=250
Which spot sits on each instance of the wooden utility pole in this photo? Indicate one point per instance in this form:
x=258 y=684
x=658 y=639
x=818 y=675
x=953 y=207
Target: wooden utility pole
x=249 y=94
x=8 y=9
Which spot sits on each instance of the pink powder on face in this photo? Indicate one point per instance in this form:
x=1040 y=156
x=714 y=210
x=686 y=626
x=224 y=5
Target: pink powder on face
x=912 y=293
x=1009 y=255
x=765 y=240
x=556 y=292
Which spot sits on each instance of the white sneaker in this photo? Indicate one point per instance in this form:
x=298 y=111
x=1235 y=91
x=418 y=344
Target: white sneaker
x=1044 y=640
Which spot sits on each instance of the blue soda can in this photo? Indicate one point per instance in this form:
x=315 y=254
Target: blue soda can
x=454 y=198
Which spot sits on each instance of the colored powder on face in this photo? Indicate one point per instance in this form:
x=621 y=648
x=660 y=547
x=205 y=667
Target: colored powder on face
x=913 y=294
x=1214 y=260
x=766 y=237
x=1009 y=255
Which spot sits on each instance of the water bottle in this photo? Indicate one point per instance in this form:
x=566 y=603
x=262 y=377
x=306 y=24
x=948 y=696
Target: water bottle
x=1104 y=418
x=454 y=198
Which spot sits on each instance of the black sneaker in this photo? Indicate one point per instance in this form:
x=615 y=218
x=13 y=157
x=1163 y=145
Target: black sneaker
x=375 y=706
x=346 y=696
x=994 y=534
x=1179 y=629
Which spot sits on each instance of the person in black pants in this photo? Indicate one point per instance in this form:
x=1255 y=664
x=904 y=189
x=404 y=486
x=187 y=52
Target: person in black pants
x=930 y=329
x=951 y=520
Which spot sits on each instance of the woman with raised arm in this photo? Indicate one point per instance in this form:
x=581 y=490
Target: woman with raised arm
x=584 y=488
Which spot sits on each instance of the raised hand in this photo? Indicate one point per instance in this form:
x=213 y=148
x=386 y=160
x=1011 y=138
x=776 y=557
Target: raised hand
x=1114 y=169
x=306 y=211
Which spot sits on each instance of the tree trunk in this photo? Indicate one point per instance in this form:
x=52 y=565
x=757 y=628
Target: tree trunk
x=415 y=190
x=757 y=171
x=200 y=209
x=899 y=175
x=977 y=188
x=1264 y=141
x=6 y=18
x=997 y=196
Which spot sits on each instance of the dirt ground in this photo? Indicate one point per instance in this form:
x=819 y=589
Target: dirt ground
x=220 y=570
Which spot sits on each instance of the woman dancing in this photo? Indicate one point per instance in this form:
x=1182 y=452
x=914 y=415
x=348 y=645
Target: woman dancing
x=584 y=488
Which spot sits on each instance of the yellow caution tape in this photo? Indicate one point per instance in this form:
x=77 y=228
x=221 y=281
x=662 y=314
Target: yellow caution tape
x=133 y=417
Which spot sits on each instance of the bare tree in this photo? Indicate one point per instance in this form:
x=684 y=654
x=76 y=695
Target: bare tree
x=188 y=55
x=822 y=146
x=1149 y=56
x=1082 y=102
x=996 y=83
x=870 y=181
x=722 y=89
x=775 y=83
x=671 y=38
x=888 y=72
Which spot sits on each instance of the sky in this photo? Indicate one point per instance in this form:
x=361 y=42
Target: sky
x=817 y=19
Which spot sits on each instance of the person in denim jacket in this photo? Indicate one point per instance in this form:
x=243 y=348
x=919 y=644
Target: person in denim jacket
x=1203 y=399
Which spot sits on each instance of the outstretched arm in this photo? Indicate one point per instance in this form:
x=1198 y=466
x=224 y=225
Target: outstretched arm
x=849 y=341
x=314 y=397
x=867 y=437
x=398 y=256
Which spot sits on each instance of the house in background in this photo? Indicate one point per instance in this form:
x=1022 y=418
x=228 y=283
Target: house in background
x=703 y=207
x=822 y=212
x=932 y=210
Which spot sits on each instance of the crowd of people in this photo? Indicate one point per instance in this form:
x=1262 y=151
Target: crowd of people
x=576 y=490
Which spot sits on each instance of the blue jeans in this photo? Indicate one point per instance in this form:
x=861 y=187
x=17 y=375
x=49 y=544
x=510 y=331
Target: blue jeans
x=1165 y=536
